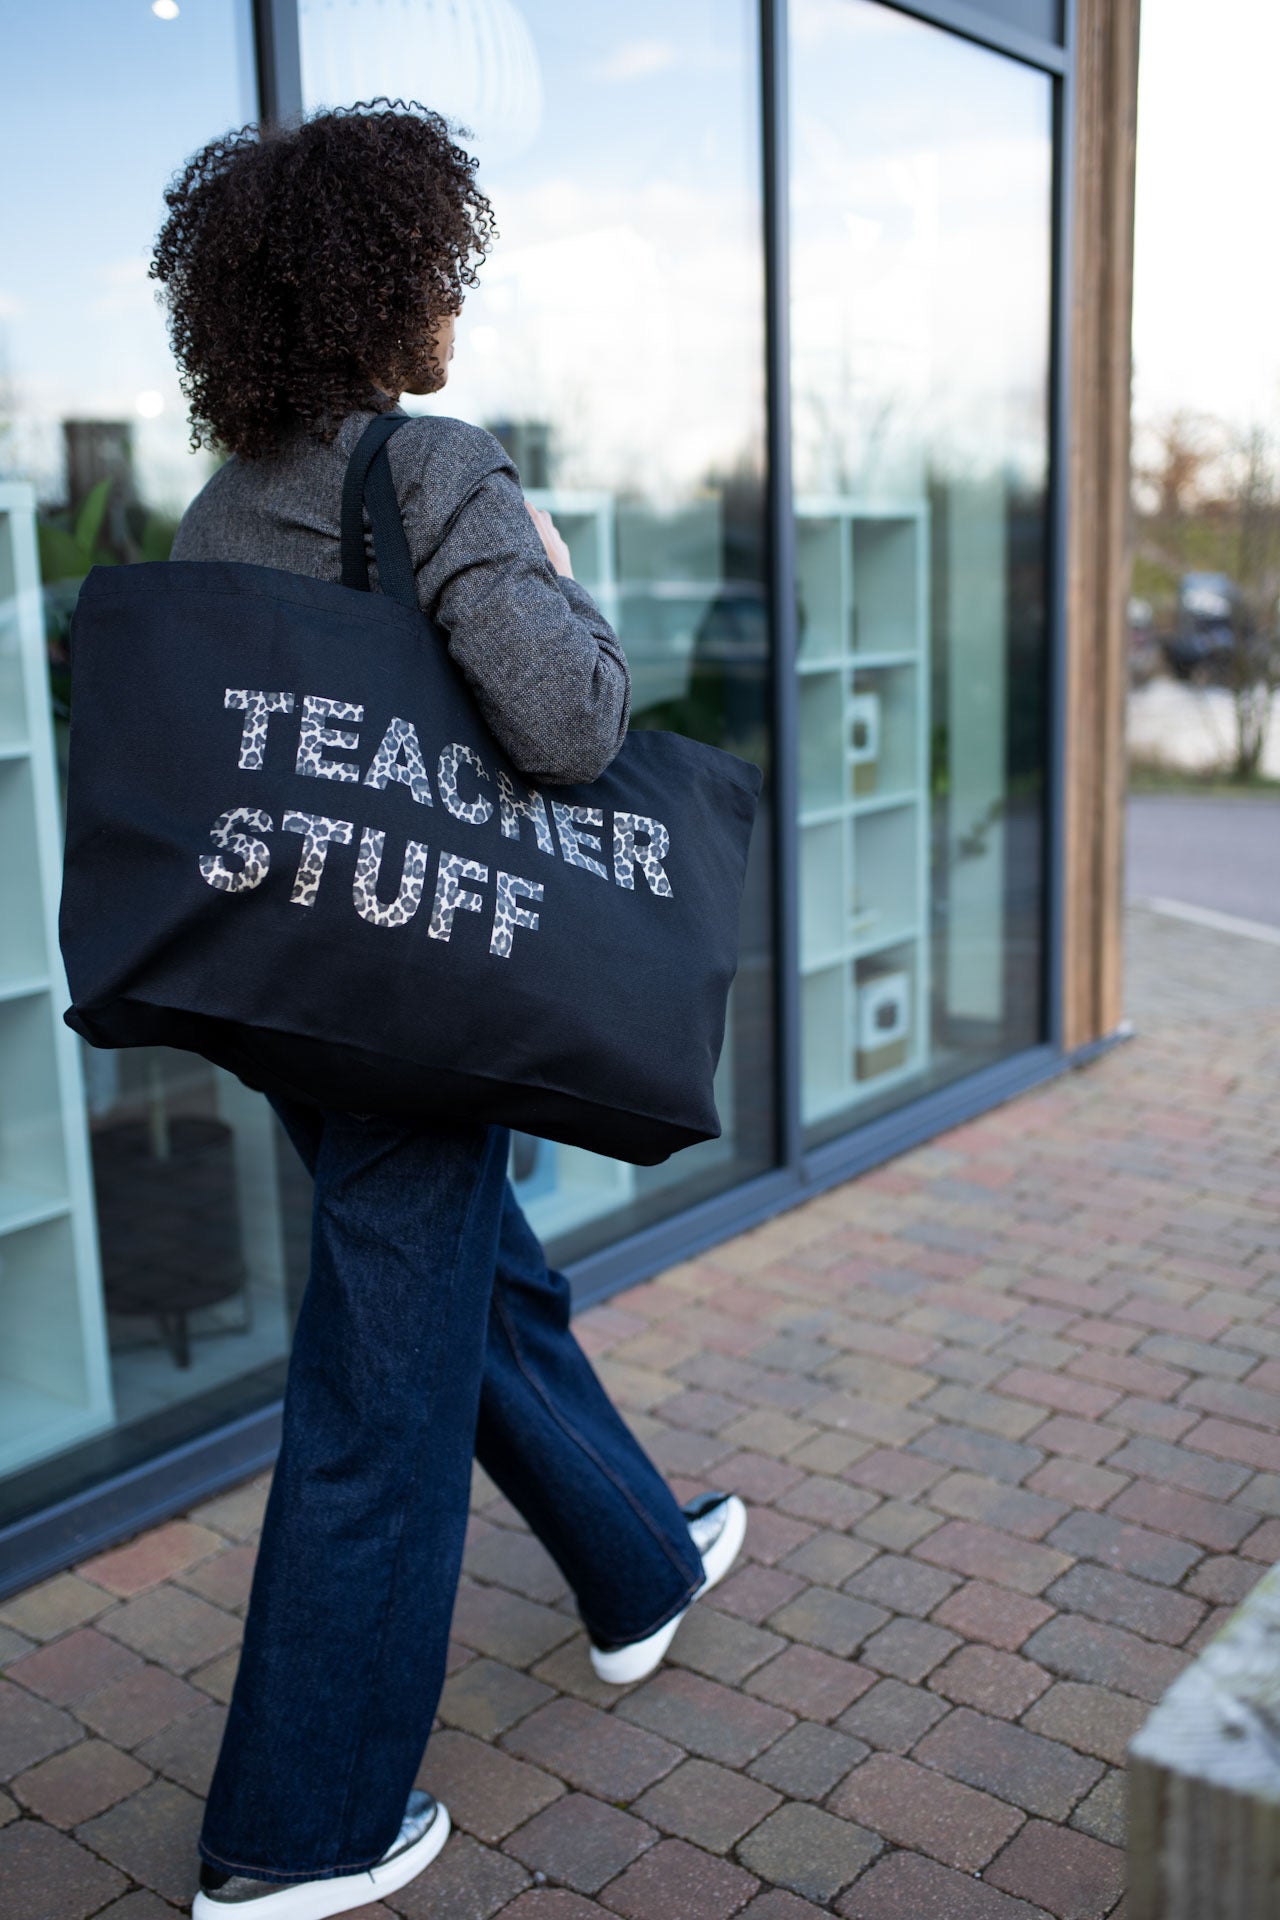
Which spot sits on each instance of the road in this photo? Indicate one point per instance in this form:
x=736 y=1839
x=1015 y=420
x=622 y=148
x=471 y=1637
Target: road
x=1218 y=853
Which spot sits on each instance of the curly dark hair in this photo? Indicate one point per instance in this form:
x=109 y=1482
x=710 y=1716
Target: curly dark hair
x=305 y=265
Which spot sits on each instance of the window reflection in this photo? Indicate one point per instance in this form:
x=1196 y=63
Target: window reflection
x=920 y=242
x=615 y=346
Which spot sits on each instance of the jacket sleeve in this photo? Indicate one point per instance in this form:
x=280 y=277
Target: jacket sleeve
x=547 y=670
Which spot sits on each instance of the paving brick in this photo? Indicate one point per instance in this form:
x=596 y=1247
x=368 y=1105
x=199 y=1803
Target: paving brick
x=722 y=1648
x=187 y=1749
x=580 y=1842
x=829 y=1503
x=1133 y=1549
x=831 y=1453
x=1129 y=1375
x=78 y=1782
x=1224 y=1580
x=967 y=1547
x=13 y=1645
x=467 y=1882
x=517 y=1562
x=139 y=1704
x=1195 y=1356
x=46 y=1876
x=224 y=1579
x=902 y=1584
x=899 y=1476
x=79 y=1663
x=30 y=1730
x=1103 y=1813
x=755 y=1477
x=908 y=1649
x=568 y=1670
x=706 y=1805
x=1180 y=1467
x=916 y=1807
x=1151 y=1419
x=806 y=1681
x=1227 y=1440
x=1073 y=1876
x=487 y=1792
x=149 y=1906
x=1080 y=1649
x=550 y=1903
x=898 y=1525
x=828 y=1558
x=753 y=1592
x=1075 y=1483
x=178 y=1630
x=151 y=1557
x=778 y=1905
x=1078 y=1439
x=1009 y=1418
x=707 y=1719
x=1105 y=1594
x=836 y=1622
x=893 y=1715
x=1092 y=1719
x=774 y=1536
x=1017 y=1765
x=991 y=1680
x=958 y=1445
x=1209 y=1523
x=595 y=1751
x=808 y=1760
x=808 y=1851
x=994 y=1615
x=1063 y=1392
x=506 y=1626
x=152 y=1837
x=906 y=1886
x=675 y=1881
x=1251 y=1403
x=54 y=1607
x=238 y=1512
x=486 y=1697
x=974 y=1496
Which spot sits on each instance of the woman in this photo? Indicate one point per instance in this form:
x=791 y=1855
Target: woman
x=314 y=274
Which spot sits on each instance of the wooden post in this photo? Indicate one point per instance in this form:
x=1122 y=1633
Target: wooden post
x=1098 y=564
x=1204 y=1779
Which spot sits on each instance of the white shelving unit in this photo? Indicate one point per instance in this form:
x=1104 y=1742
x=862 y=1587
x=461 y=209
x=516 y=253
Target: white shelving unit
x=862 y=662
x=55 y=1378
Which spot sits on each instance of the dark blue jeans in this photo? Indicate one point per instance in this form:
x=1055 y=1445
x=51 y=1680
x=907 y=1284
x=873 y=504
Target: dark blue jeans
x=431 y=1329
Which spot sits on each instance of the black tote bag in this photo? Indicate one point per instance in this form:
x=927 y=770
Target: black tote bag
x=295 y=848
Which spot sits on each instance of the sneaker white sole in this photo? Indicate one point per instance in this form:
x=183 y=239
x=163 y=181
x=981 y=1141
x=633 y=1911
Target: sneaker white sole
x=625 y=1664
x=317 y=1899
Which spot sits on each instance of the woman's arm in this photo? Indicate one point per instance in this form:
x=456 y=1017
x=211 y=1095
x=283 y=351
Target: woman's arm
x=547 y=670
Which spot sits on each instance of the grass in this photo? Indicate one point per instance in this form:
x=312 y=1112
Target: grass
x=1150 y=775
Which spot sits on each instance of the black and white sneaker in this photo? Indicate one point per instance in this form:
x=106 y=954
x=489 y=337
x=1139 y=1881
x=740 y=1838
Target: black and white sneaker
x=718 y=1523
x=423 y=1832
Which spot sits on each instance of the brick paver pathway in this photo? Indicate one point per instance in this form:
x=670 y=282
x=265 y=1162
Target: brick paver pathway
x=1007 y=1414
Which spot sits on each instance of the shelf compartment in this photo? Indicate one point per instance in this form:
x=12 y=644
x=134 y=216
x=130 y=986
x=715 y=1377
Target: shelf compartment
x=22 y=945
x=32 y=1145
x=46 y=1399
x=822 y=756
x=886 y=583
x=821 y=587
x=823 y=932
x=825 y=1083
x=885 y=871
x=883 y=731
x=884 y=1019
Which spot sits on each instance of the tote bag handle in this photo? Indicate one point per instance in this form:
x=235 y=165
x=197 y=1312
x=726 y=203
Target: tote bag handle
x=368 y=483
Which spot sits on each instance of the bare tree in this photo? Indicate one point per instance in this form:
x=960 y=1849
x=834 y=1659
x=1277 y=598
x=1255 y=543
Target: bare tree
x=1254 y=671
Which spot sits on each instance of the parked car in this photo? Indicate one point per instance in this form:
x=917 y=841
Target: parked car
x=1207 y=627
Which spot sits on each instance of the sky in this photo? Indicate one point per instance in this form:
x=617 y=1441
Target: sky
x=1206 y=321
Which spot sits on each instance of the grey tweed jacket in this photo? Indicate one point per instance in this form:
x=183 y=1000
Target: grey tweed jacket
x=547 y=670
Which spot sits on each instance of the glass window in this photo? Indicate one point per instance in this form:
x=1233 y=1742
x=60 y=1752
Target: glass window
x=1043 y=18
x=149 y=1258
x=920 y=246
x=615 y=346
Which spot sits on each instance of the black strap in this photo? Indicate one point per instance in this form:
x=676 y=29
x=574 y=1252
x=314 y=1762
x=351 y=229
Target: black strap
x=367 y=484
